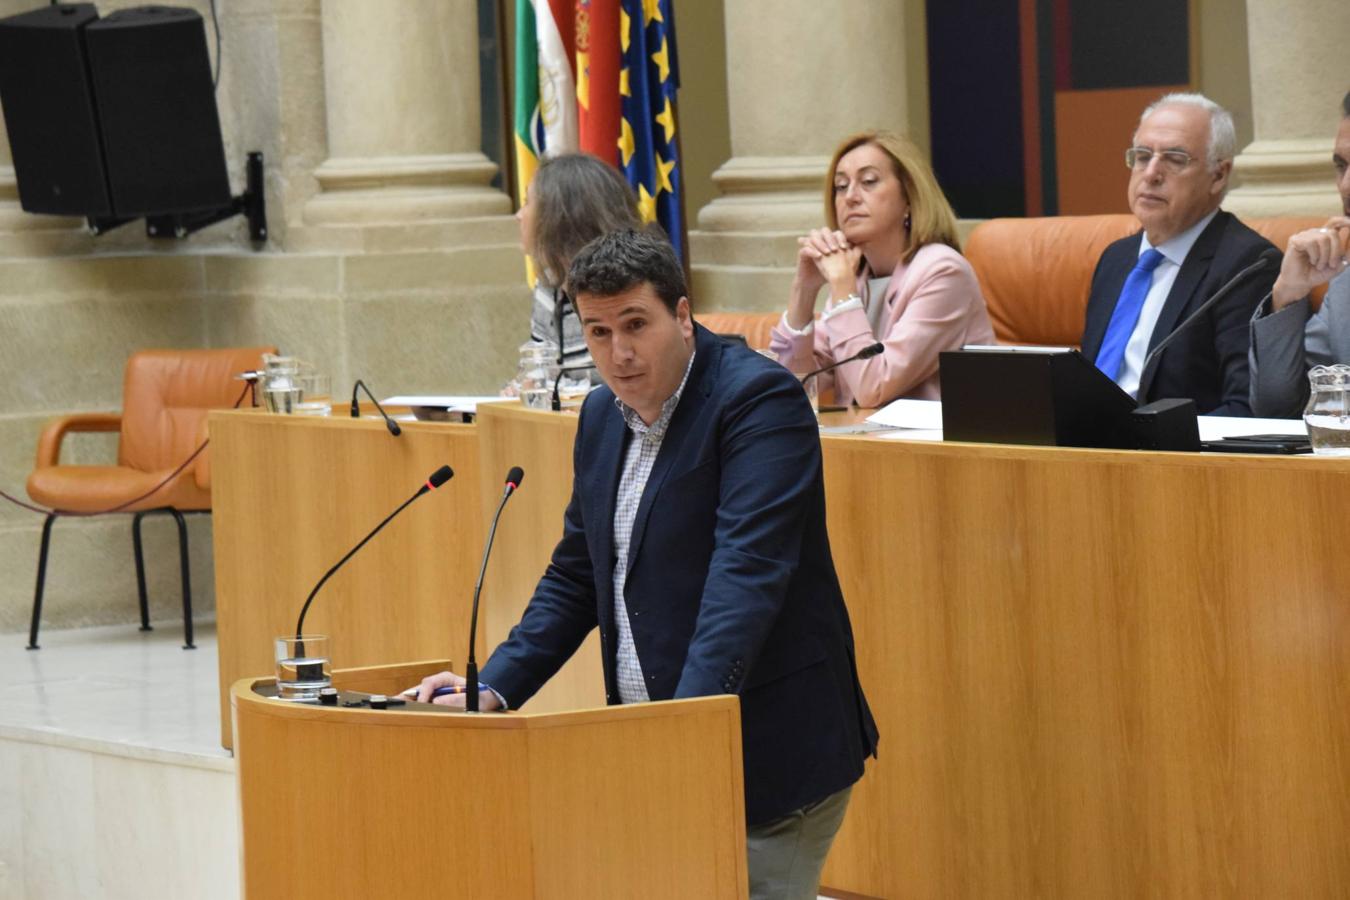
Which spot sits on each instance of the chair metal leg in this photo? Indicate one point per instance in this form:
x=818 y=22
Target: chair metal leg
x=187 y=582
x=41 y=580
x=140 y=570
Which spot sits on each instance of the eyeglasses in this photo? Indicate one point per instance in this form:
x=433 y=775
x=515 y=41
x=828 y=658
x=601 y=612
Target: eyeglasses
x=1171 y=161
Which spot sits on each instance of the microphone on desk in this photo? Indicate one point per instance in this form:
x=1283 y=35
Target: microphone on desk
x=438 y=478
x=867 y=352
x=1271 y=255
x=560 y=302
x=356 y=410
x=556 y=402
x=513 y=480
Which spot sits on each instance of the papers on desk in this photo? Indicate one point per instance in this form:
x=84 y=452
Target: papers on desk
x=1216 y=428
x=450 y=402
x=921 y=420
x=913 y=420
x=445 y=407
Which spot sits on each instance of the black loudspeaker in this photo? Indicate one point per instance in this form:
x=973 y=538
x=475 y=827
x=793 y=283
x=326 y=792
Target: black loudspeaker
x=151 y=75
x=50 y=113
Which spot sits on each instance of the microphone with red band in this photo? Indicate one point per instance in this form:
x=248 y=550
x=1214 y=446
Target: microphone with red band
x=438 y=478
x=513 y=480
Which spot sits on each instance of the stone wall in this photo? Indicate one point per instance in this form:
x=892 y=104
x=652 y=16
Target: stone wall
x=429 y=302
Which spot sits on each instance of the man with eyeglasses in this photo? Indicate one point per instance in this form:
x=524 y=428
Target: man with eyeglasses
x=1147 y=284
x=1287 y=337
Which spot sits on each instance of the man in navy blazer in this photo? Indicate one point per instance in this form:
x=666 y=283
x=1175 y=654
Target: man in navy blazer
x=1147 y=284
x=695 y=540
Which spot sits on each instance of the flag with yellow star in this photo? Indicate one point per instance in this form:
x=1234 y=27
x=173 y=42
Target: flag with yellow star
x=648 y=80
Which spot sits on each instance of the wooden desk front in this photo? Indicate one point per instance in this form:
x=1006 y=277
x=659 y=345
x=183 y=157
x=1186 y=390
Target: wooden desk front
x=615 y=802
x=292 y=494
x=1096 y=673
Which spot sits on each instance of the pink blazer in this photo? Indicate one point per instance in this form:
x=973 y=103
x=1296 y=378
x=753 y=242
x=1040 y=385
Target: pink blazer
x=932 y=304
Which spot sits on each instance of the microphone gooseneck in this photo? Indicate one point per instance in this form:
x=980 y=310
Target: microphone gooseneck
x=513 y=480
x=867 y=352
x=556 y=402
x=389 y=423
x=1268 y=256
x=437 y=478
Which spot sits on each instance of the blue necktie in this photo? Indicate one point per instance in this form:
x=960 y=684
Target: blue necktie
x=1126 y=315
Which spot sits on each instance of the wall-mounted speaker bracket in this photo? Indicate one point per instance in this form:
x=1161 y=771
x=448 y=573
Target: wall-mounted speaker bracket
x=251 y=204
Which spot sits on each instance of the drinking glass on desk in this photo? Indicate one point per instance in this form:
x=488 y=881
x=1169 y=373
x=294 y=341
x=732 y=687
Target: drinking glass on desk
x=1328 y=412
x=304 y=666
x=810 y=384
x=316 y=395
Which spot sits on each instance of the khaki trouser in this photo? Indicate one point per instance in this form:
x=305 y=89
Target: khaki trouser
x=787 y=854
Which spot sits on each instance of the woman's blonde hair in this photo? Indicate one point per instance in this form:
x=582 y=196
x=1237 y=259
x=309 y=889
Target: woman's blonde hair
x=931 y=219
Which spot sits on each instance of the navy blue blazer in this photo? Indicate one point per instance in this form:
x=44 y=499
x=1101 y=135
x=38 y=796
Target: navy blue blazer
x=1208 y=362
x=731 y=586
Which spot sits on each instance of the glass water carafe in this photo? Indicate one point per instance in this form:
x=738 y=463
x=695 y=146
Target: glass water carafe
x=1328 y=411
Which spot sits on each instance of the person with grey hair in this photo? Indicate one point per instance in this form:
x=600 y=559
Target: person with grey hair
x=1287 y=337
x=1146 y=285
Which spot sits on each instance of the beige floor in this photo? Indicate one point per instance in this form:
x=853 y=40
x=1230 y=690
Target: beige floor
x=115 y=684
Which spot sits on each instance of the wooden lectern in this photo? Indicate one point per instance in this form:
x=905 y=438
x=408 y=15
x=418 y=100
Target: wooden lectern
x=643 y=800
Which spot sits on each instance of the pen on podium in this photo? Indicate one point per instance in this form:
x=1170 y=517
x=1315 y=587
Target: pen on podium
x=448 y=689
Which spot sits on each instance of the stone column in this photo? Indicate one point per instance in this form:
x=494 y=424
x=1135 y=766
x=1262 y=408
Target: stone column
x=1298 y=80
x=402 y=92
x=798 y=81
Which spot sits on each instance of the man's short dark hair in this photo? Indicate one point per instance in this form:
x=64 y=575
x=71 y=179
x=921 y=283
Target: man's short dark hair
x=1345 y=105
x=621 y=260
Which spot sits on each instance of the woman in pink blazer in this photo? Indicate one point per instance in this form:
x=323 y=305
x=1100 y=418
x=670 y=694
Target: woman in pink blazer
x=891 y=260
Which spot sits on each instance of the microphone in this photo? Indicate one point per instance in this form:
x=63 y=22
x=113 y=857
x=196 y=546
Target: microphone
x=438 y=478
x=356 y=410
x=556 y=403
x=560 y=301
x=513 y=480
x=867 y=352
x=1266 y=258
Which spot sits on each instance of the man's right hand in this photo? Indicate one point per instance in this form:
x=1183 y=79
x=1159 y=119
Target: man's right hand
x=487 y=701
x=1313 y=257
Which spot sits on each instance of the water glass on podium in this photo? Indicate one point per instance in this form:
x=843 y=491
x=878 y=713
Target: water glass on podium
x=304 y=666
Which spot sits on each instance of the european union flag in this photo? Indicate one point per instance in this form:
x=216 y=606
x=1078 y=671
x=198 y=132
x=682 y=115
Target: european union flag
x=648 y=79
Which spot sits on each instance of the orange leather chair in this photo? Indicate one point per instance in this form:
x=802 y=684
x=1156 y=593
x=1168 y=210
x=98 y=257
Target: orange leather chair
x=165 y=398
x=753 y=326
x=1036 y=273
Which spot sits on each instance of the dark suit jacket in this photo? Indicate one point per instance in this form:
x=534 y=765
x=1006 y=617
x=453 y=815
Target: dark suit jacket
x=731 y=587
x=1208 y=361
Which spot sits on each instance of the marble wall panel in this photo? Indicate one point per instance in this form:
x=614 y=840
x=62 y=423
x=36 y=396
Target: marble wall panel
x=80 y=824
x=68 y=352
x=461 y=341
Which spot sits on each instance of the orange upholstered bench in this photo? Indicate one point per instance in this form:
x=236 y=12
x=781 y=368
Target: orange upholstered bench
x=1036 y=273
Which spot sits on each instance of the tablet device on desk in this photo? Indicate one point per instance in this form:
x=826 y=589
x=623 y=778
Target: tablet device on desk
x=1260 y=443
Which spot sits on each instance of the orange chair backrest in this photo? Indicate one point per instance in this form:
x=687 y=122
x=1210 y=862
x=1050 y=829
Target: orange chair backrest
x=755 y=326
x=165 y=398
x=1036 y=273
